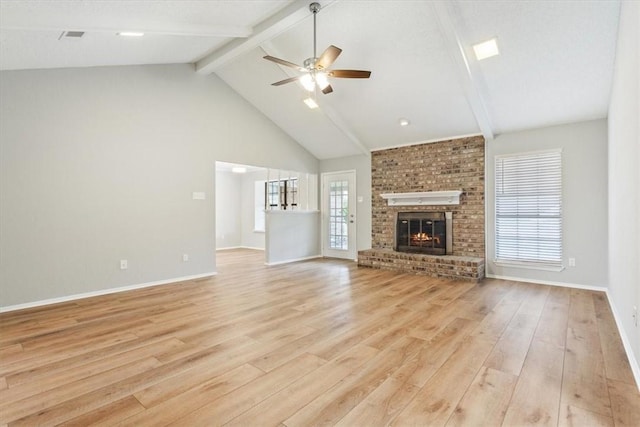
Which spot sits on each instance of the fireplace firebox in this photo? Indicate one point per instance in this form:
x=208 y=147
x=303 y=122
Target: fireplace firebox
x=424 y=232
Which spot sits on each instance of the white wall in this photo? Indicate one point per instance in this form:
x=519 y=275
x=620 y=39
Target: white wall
x=292 y=236
x=229 y=199
x=584 y=204
x=362 y=166
x=250 y=237
x=624 y=179
x=99 y=164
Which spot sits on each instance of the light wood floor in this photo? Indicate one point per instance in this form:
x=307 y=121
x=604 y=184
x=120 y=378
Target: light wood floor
x=318 y=342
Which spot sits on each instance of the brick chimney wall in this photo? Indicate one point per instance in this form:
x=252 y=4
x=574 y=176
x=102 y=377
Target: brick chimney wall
x=456 y=164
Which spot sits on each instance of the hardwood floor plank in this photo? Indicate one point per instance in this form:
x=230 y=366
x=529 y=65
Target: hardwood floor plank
x=584 y=383
x=33 y=382
x=496 y=321
x=435 y=353
x=10 y=349
x=485 y=402
x=574 y=416
x=512 y=347
x=283 y=404
x=182 y=405
x=541 y=376
x=109 y=414
x=625 y=403
x=552 y=327
x=382 y=405
x=334 y=404
x=50 y=407
x=616 y=363
x=25 y=361
x=224 y=358
x=229 y=406
x=436 y=401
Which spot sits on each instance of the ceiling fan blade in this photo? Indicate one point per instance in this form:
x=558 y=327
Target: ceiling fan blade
x=349 y=74
x=283 y=62
x=328 y=57
x=327 y=90
x=285 y=81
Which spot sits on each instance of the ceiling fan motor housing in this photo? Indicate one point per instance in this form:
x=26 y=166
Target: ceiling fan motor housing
x=314 y=7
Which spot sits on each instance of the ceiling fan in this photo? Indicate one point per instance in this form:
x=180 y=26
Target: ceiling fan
x=315 y=69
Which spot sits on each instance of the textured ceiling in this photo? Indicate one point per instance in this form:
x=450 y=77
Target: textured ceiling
x=555 y=65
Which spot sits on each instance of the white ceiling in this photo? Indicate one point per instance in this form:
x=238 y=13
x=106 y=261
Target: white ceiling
x=555 y=65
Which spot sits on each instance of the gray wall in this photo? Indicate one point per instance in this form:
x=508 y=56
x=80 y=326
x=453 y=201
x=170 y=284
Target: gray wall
x=362 y=166
x=624 y=179
x=229 y=200
x=250 y=237
x=99 y=164
x=584 y=209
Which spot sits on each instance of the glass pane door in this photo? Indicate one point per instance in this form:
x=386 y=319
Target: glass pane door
x=338 y=215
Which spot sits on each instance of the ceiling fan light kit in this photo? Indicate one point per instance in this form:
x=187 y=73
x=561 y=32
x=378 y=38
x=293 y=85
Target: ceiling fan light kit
x=315 y=69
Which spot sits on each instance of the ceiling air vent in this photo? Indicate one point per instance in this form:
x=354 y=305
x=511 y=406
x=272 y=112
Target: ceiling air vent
x=71 y=35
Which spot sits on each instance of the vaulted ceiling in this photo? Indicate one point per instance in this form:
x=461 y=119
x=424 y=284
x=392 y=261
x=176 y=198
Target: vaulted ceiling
x=555 y=63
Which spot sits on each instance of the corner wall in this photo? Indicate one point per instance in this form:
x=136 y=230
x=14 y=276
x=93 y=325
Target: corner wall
x=624 y=181
x=584 y=200
x=99 y=164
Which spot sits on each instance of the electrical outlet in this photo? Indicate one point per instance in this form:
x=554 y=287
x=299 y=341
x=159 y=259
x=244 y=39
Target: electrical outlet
x=124 y=264
x=572 y=262
x=185 y=257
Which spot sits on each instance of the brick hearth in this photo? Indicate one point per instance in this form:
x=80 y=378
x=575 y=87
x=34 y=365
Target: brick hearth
x=440 y=166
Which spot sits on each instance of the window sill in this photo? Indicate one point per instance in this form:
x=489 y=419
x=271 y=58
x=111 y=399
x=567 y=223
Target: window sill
x=529 y=265
x=259 y=231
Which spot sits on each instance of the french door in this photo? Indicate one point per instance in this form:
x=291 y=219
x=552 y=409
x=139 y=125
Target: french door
x=339 y=215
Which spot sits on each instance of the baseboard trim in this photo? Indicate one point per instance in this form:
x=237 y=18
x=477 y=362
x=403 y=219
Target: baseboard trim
x=635 y=368
x=548 y=282
x=239 y=247
x=103 y=292
x=633 y=362
x=292 y=260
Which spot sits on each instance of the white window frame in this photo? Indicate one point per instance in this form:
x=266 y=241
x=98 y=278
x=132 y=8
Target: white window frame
x=528 y=210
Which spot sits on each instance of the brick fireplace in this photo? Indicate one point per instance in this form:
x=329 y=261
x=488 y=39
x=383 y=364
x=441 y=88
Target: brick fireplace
x=442 y=166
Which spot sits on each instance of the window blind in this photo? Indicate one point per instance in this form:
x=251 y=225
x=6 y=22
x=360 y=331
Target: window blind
x=528 y=209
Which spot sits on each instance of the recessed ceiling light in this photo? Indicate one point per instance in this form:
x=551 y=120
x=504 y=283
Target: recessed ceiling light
x=238 y=169
x=131 y=34
x=311 y=103
x=486 y=49
x=404 y=122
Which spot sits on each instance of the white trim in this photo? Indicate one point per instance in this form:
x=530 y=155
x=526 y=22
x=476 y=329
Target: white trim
x=239 y=247
x=289 y=212
x=103 y=292
x=548 y=282
x=527 y=153
x=428 y=141
x=529 y=265
x=423 y=198
x=292 y=260
x=633 y=362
